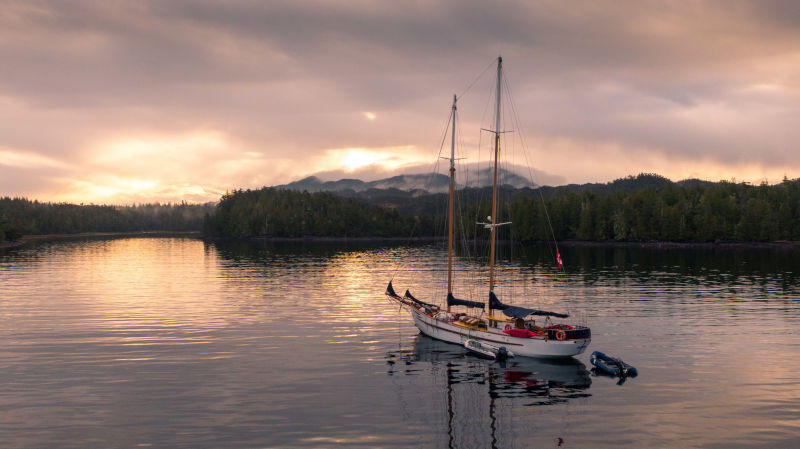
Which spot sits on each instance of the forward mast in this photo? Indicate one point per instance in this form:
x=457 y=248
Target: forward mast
x=493 y=236
x=450 y=206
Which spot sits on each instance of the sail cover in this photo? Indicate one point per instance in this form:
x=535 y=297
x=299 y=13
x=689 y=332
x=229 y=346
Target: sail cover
x=519 y=312
x=421 y=303
x=453 y=301
x=390 y=291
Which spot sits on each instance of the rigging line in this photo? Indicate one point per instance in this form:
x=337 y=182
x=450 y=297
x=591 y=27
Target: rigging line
x=514 y=147
x=427 y=185
x=458 y=224
x=506 y=162
x=451 y=122
x=465 y=246
x=530 y=170
x=462 y=223
x=478 y=195
x=476 y=79
x=504 y=165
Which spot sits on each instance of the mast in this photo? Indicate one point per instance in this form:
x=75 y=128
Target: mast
x=451 y=206
x=493 y=236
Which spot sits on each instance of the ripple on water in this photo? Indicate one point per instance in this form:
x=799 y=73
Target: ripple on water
x=178 y=343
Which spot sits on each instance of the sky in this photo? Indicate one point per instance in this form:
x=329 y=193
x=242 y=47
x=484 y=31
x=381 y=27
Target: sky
x=116 y=102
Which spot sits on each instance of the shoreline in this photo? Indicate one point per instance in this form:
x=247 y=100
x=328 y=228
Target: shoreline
x=654 y=244
x=666 y=244
x=39 y=238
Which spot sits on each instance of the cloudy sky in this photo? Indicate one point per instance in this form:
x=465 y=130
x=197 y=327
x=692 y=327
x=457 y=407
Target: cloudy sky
x=123 y=101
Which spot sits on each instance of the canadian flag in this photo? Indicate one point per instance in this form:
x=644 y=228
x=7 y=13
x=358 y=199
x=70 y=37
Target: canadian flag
x=558 y=259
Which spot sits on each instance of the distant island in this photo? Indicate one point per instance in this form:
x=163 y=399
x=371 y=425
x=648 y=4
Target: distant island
x=639 y=208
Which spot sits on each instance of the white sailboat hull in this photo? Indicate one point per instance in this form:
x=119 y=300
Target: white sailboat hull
x=528 y=347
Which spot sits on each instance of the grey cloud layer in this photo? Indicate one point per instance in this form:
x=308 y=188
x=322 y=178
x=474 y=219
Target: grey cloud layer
x=719 y=79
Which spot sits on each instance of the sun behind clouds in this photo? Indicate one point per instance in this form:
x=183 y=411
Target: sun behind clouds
x=352 y=159
x=355 y=159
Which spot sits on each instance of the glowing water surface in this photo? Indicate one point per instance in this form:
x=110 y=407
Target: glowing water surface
x=170 y=342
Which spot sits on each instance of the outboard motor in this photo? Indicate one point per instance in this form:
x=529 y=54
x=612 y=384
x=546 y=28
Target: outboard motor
x=502 y=353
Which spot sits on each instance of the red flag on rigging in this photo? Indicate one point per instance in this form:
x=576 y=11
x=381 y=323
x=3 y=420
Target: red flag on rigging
x=558 y=259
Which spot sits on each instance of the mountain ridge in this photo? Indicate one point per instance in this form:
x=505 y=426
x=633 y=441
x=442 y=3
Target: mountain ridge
x=423 y=202
x=428 y=183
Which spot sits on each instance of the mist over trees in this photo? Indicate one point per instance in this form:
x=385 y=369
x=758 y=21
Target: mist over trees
x=642 y=208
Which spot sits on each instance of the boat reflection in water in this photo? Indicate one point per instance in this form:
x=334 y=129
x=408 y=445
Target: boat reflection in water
x=490 y=399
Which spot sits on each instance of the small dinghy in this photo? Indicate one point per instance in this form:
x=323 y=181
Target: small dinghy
x=486 y=350
x=612 y=366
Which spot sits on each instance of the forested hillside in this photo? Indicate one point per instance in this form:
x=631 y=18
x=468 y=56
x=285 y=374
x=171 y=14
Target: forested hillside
x=645 y=207
x=20 y=216
x=284 y=213
x=690 y=211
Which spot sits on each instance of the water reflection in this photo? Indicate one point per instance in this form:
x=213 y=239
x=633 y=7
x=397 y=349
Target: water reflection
x=762 y=266
x=288 y=252
x=180 y=343
x=482 y=392
x=538 y=381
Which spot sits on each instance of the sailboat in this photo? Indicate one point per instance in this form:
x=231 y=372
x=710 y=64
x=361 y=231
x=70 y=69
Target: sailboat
x=513 y=327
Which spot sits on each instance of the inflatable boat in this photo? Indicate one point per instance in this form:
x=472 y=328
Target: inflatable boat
x=612 y=365
x=486 y=350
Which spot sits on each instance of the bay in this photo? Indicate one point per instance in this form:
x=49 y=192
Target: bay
x=173 y=342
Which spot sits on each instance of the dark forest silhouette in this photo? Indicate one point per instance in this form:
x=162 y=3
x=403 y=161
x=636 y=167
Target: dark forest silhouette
x=641 y=208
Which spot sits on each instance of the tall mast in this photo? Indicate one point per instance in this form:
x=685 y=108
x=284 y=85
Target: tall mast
x=450 y=206
x=494 y=178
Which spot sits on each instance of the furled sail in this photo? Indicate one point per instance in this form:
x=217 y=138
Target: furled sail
x=390 y=291
x=519 y=312
x=420 y=303
x=453 y=301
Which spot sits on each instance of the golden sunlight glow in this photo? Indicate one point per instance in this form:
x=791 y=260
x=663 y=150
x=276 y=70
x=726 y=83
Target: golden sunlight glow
x=387 y=158
x=133 y=266
x=370 y=116
x=148 y=166
x=129 y=150
x=358 y=158
x=103 y=188
x=21 y=159
x=589 y=161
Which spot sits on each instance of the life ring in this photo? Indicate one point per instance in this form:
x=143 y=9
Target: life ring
x=561 y=326
x=561 y=335
x=508 y=327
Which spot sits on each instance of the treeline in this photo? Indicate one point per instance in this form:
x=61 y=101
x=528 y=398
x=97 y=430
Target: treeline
x=670 y=212
x=20 y=216
x=284 y=213
x=640 y=208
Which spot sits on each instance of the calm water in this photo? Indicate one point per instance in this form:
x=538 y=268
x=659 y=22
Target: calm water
x=175 y=343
